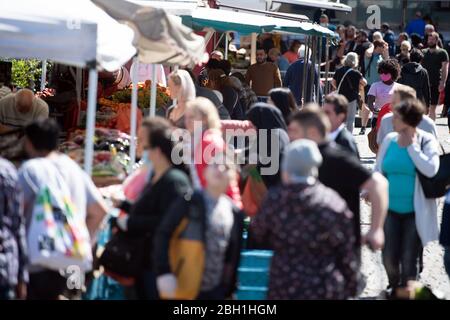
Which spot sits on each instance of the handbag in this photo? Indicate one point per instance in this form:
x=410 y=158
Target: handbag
x=436 y=186
x=372 y=140
x=254 y=193
x=58 y=236
x=123 y=255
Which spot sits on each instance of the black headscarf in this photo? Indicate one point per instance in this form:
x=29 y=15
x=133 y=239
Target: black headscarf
x=266 y=116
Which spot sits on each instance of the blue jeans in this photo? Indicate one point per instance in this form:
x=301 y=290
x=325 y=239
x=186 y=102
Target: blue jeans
x=402 y=248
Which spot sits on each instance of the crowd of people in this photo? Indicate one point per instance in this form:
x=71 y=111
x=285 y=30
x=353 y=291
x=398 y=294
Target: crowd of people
x=180 y=230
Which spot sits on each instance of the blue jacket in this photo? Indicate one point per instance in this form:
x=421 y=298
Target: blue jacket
x=389 y=38
x=294 y=81
x=416 y=26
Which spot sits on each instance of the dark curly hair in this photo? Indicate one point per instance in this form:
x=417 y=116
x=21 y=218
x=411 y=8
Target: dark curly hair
x=390 y=66
x=411 y=111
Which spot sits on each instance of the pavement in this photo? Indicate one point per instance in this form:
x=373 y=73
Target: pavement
x=433 y=274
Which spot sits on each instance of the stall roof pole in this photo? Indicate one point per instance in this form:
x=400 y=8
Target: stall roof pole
x=226 y=46
x=253 y=49
x=153 y=92
x=90 y=121
x=313 y=68
x=319 y=60
x=43 y=74
x=133 y=117
x=327 y=65
x=305 y=69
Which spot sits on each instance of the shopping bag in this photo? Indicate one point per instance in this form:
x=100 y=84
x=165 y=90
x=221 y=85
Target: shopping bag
x=372 y=140
x=254 y=192
x=58 y=236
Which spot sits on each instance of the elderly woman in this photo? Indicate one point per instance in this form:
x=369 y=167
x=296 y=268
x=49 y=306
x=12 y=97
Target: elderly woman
x=411 y=218
x=309 y=227
x=348 y=81
x=182 y=89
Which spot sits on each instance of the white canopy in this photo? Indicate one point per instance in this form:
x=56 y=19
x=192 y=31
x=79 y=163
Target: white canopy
x=76 y=33
x=159 y=37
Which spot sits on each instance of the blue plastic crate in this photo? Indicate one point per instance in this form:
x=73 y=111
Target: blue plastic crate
x=251 y=293
x=256 y=258
x=253 y=277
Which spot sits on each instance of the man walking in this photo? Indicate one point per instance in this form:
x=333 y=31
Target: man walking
x=435 y=60
x=263 y=75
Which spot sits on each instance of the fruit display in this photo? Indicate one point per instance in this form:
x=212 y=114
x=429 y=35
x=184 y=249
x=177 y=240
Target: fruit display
x=124 y=96
x=110 y=152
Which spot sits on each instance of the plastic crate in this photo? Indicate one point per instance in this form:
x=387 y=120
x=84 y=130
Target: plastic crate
x=251 y=293
x=258 y=277
x=256 y=258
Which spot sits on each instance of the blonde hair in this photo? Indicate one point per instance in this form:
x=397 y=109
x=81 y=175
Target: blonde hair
x=207 y=110
x=405 y=92
x=377 y=36
x=407 y=44
x=183 y=79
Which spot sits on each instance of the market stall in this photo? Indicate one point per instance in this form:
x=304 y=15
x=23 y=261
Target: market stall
x=168 y=43
x=73 y=33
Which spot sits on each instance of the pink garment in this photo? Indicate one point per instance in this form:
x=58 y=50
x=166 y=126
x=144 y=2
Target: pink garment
x=134 y=184
x=383 y=93
x=236 y=124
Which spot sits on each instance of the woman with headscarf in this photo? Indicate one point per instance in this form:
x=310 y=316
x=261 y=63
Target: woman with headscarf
x=182 y=89
x=283 y=99
x=271 y=140
x=310 y=230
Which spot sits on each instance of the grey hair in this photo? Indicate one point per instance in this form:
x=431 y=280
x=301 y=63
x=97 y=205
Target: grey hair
x=351 y=60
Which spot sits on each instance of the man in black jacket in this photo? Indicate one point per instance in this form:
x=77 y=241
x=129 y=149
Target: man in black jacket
x=335 y=107
x=416 y=76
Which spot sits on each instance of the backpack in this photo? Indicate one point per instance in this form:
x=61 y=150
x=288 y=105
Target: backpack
x=187 y=251
x=58 y=237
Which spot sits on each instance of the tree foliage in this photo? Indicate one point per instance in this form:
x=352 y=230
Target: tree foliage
x=27 y=73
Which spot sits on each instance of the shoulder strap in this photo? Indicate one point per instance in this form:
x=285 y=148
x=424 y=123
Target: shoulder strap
x=367 y=68
x=343 y=77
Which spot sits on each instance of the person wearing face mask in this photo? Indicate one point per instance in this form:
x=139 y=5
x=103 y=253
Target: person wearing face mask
x=137 y=228
x=381 y=92
x=373 y=56
x=221 y=231
x=435 y=60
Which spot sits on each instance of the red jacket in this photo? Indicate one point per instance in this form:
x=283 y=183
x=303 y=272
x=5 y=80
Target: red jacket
x=210 y=145
x=383 y=111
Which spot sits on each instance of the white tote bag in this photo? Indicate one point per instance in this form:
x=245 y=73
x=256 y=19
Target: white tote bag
x=58 y=237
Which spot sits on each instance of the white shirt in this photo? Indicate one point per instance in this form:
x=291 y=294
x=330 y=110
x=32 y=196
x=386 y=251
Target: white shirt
x=333 y=135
